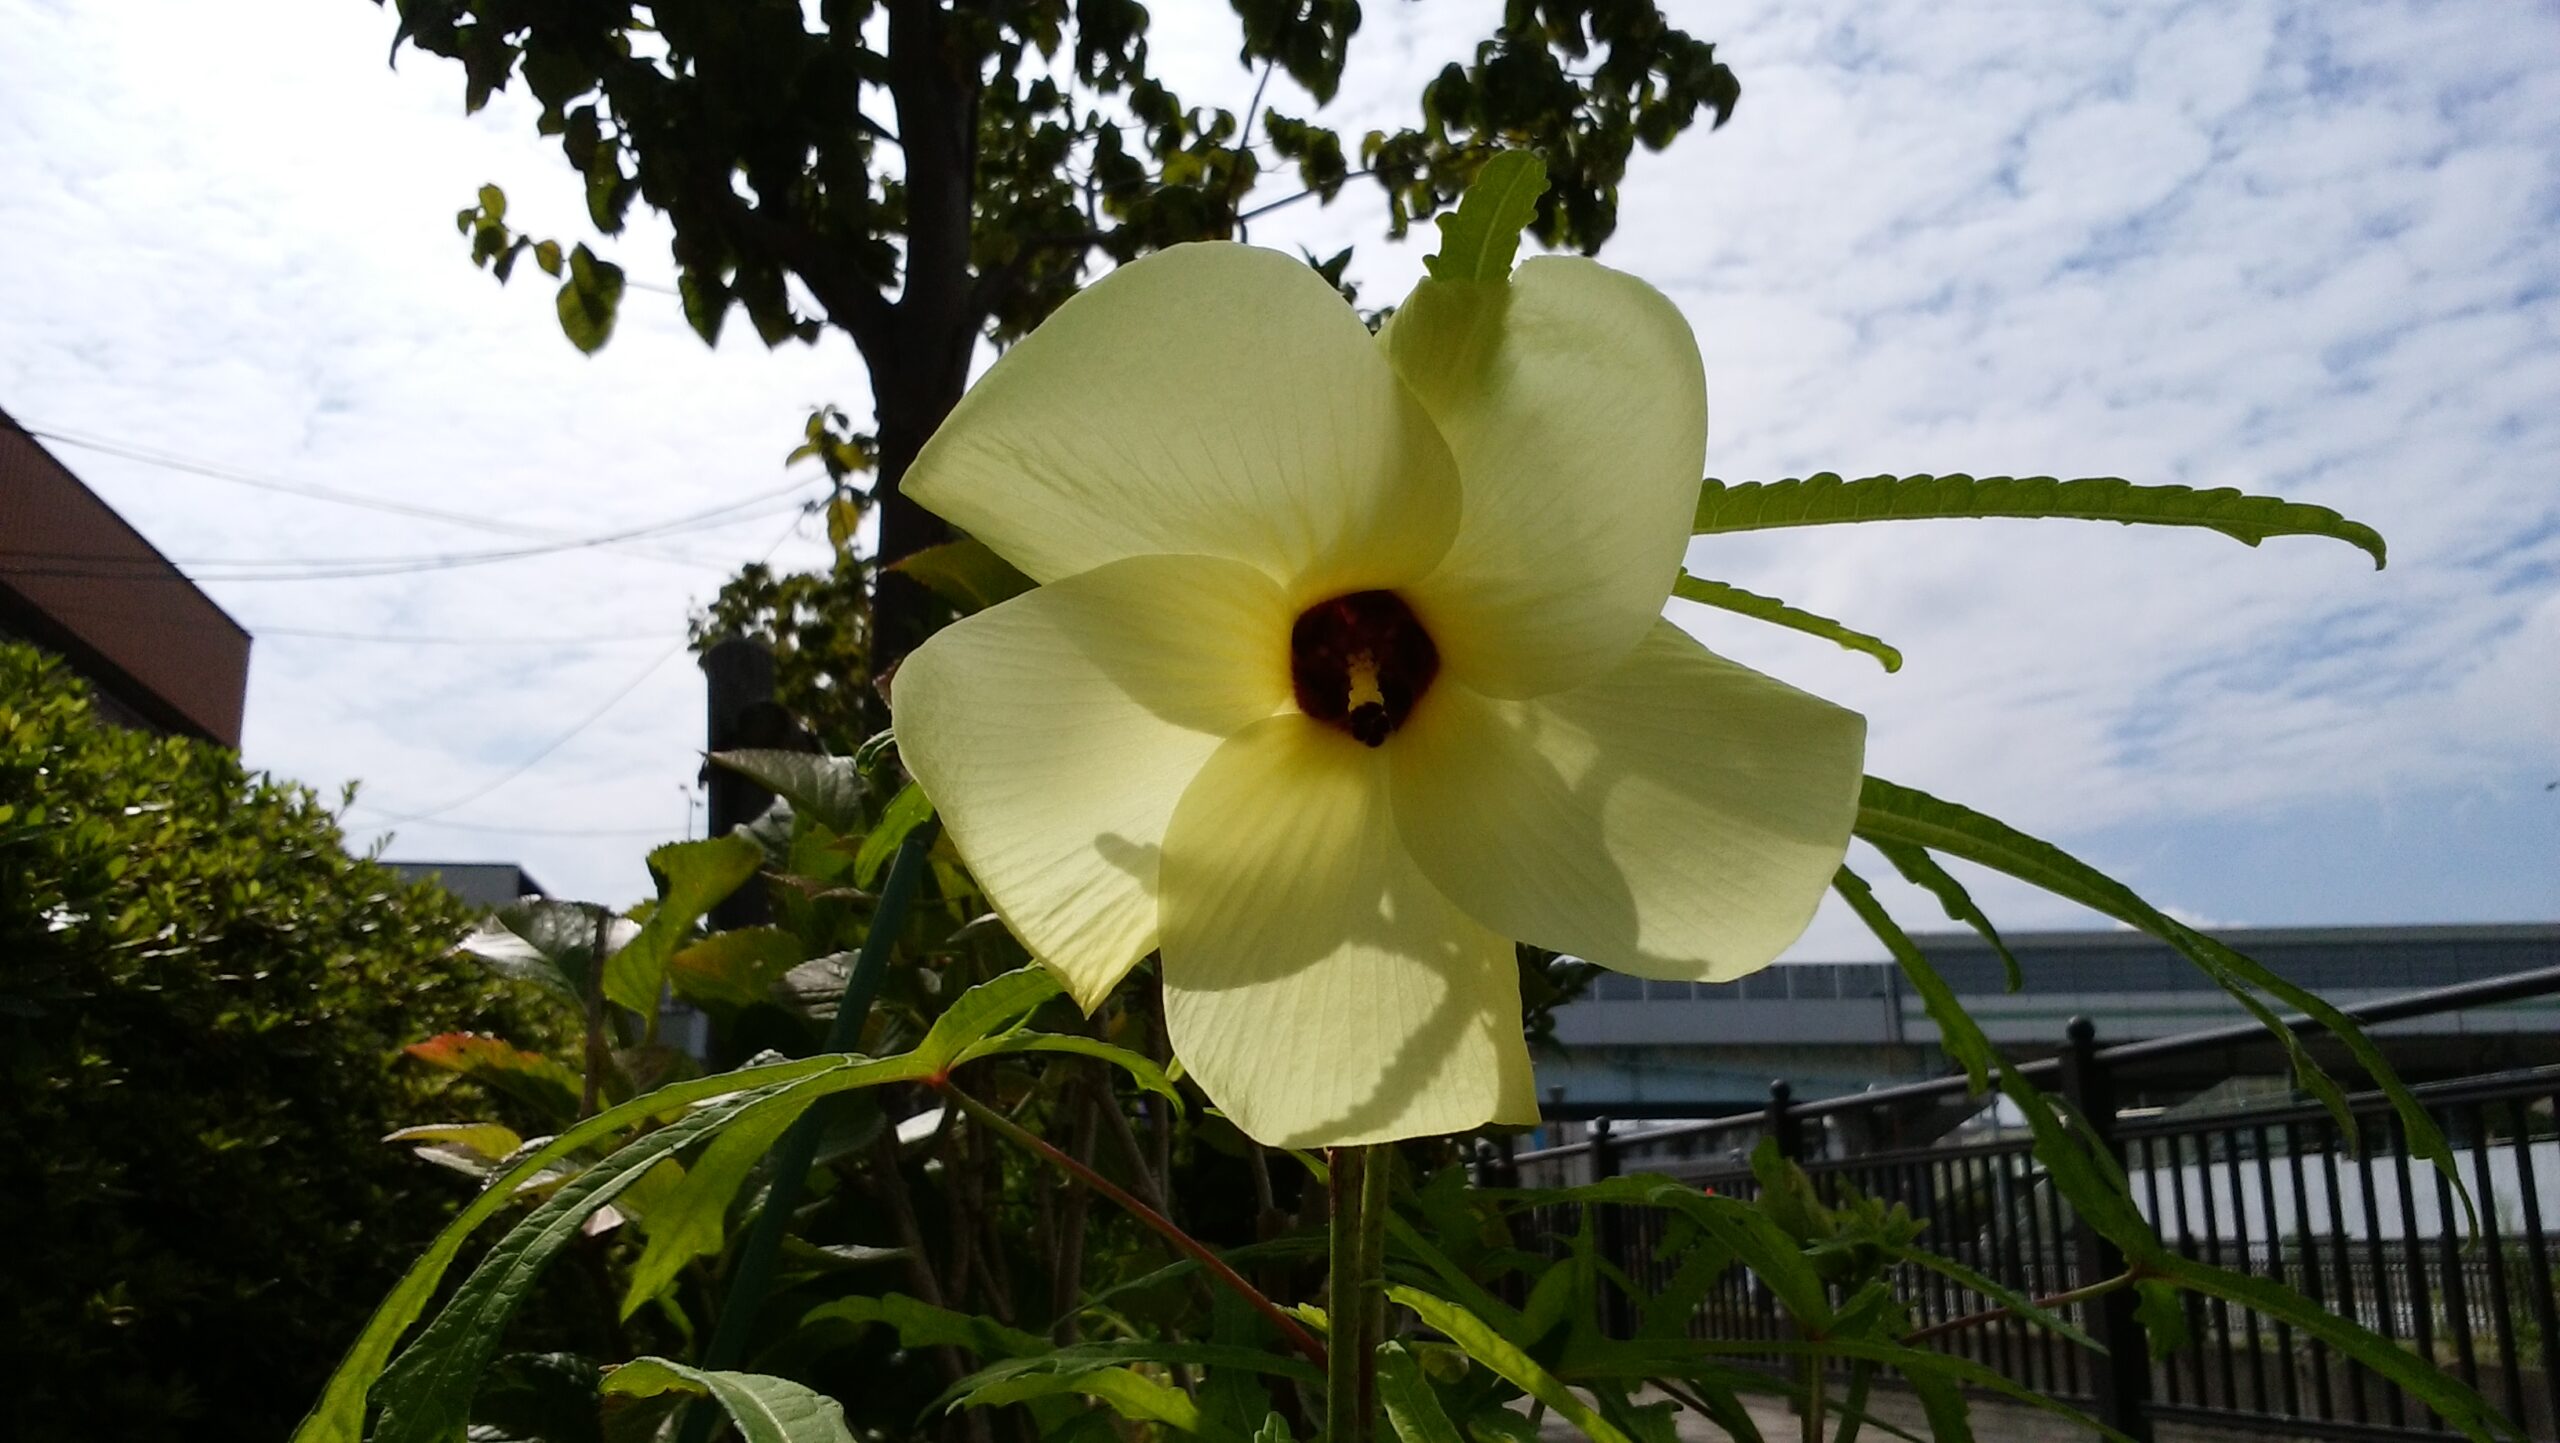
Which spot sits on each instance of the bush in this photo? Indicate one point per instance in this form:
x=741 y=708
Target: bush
x=202 y=998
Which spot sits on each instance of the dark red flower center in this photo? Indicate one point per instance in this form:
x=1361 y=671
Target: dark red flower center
x=1360 y=662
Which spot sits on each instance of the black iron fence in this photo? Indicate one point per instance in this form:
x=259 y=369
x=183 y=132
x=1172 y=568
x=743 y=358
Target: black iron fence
x=2270 y=1189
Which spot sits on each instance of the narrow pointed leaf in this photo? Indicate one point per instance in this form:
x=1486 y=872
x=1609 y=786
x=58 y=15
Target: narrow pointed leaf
x=766 y=1410
x=1506 y=1360
x=692 y=1220
x=2437 y=1388
x=1919 y=868
x=1725 y=597
x=338 y=1415
x=1891 y=813
x=425 y=1394
x=1141 y=1069
x=1824 y=498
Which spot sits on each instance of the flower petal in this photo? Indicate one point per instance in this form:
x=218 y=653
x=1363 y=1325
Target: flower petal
x=1576 y=406
x=1056 y=732
x=1321 y=991
x=1678 y=818
x=1211 y=399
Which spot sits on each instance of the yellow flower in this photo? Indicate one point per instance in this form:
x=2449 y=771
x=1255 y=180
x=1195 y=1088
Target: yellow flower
x=1348 y=667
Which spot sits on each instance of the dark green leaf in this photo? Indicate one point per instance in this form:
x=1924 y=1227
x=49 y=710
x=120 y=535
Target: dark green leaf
x=922 y=1325
x=1768 y=608
x=827 y=790
x=1824 y=498
x=1479 y=239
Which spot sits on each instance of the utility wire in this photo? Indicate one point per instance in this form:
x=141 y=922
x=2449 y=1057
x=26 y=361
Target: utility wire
x=556 y=743
x=173 y=462
x=607 y=638
x=90 y=567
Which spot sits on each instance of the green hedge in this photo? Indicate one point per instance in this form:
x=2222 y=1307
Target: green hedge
x=202 y=1001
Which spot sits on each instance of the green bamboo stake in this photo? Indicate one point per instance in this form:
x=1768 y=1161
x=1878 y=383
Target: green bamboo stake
x=799 y=1148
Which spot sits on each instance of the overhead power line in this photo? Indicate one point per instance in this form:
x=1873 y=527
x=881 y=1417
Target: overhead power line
x=100 y=566
x=335 y=496
x=556 y=743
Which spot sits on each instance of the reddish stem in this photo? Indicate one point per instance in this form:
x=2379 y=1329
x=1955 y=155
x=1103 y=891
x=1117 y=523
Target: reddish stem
x=1183 y=1242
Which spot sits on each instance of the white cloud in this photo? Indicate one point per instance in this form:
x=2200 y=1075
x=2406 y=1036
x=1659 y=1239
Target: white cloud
x=2301 y=249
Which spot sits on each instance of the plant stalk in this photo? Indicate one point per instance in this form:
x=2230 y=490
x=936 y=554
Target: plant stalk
x=2048 y=1302
x=757 y=1256
x=1359 y=1178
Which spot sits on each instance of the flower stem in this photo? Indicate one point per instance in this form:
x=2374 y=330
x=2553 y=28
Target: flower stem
x=1190 y=1246
x=1360 y=1178
x=2048 y=1302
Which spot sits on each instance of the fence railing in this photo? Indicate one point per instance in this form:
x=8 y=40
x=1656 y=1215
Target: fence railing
x=2271 y=1189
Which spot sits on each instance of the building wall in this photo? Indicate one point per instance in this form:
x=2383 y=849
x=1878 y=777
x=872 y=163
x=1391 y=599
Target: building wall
x=79 y=582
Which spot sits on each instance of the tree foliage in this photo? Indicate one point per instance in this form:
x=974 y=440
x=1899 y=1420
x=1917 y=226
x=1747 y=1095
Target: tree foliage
x=922 y=176
x=201 y=1001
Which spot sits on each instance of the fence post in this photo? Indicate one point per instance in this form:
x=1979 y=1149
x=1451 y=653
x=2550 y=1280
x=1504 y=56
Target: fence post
x=1784 y=1127
x=1609 y=1226
x=2121 y=1380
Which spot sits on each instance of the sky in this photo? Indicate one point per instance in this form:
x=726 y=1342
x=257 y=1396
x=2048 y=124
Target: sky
x=2312 y=250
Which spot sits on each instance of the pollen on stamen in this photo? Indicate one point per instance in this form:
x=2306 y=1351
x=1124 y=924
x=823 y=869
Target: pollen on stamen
x=1360 y=662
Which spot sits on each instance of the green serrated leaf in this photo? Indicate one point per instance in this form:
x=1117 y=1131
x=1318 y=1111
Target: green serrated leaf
x=1507 y=1361
x=1891 y=813
x=906 y=811
x=692 y=1220
x=1479 y=239
x=766 y=1409
x=1725 y=597
x=967 y=573
x=827 y=790
x=2162 y=1315
x=1824 y=498
x=693 y=877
